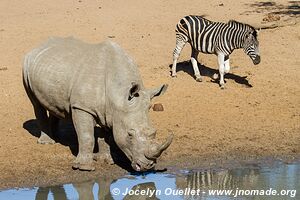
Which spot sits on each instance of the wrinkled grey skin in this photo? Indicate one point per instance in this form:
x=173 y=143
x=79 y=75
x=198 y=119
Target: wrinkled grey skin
x=93 y=84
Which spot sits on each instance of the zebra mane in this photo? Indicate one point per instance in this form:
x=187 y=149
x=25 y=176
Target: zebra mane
x=254 y=33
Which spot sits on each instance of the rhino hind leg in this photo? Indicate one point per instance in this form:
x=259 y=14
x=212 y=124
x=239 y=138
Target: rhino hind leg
x=53 y=124
x=44 y=124
x=84 y=125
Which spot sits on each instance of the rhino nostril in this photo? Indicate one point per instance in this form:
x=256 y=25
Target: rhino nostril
x=138 y=167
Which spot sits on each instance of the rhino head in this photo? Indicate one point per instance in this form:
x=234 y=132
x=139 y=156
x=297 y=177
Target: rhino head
x=132 y=129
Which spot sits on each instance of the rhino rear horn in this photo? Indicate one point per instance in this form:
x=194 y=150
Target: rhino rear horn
x=157 y=91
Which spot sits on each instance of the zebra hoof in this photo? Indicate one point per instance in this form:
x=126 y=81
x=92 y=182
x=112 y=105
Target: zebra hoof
x=174 y=75
x=215 y=76
x=199 y=79
x=222 y=87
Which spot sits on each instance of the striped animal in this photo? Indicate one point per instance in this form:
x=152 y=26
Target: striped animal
x=214 y=38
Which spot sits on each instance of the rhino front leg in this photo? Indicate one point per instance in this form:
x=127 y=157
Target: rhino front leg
x=43 y=122
x=84 y=125
x=104 y=152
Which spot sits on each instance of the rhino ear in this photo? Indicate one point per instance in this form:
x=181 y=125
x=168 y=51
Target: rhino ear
x=134 y=91
x=157 y=91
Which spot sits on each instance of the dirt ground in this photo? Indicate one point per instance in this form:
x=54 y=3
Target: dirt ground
x=256 y=116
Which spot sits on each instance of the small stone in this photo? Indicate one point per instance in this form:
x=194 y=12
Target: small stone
x=221 y=4
x=158 y=107
x=3 y=68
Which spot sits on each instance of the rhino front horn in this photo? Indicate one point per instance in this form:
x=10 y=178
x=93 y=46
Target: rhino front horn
x=156 y=150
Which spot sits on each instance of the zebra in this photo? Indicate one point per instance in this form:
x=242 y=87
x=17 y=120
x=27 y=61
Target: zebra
x=214 y=38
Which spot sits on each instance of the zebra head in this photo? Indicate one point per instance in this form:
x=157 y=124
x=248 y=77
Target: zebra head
x=251 y=46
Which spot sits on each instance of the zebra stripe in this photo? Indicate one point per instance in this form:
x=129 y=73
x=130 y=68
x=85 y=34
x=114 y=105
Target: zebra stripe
x=214 y=38
x=205 y=35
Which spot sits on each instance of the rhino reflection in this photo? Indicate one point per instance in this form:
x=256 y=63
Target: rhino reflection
x=58 y=193
x=104 y=189
x=150 y=186
x=85 y=189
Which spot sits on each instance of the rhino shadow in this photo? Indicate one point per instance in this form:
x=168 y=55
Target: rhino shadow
x=186 y=66
x=66 y=135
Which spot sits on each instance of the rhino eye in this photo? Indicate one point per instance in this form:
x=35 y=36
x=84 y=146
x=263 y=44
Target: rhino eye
x=131 y=133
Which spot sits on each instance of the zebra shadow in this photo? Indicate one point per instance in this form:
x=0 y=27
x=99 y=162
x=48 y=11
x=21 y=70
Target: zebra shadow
x=291 y=8
x=186 y=66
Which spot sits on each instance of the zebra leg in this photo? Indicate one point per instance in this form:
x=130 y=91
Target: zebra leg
x=180 y=42
x=221 y=69
x=226 y=64
x=195 y=65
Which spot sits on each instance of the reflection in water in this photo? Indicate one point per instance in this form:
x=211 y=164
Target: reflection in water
x=150 y=186
x=168 y=186
x=58 y=192
x=218 y=180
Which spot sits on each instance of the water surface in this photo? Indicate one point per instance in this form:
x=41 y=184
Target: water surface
x=252 y=182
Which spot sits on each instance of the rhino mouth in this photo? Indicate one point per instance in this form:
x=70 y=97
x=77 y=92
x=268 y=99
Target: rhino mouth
x=140 y=165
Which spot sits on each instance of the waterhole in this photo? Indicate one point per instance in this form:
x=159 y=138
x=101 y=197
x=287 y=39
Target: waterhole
x=280 y=181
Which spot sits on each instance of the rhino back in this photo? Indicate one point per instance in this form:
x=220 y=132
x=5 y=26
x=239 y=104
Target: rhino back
x=63 y=71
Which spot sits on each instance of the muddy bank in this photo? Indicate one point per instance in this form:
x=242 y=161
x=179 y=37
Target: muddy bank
x=111 y=172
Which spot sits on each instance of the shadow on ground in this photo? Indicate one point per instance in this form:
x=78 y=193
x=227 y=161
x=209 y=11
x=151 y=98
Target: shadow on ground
x=66 y=135
x=186 y=66
x=291 y=9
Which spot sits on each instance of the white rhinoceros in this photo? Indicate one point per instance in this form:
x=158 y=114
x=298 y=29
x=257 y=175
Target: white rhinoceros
x=93 y=84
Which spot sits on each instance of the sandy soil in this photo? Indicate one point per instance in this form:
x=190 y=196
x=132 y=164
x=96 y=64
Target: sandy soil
x=257 y=115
